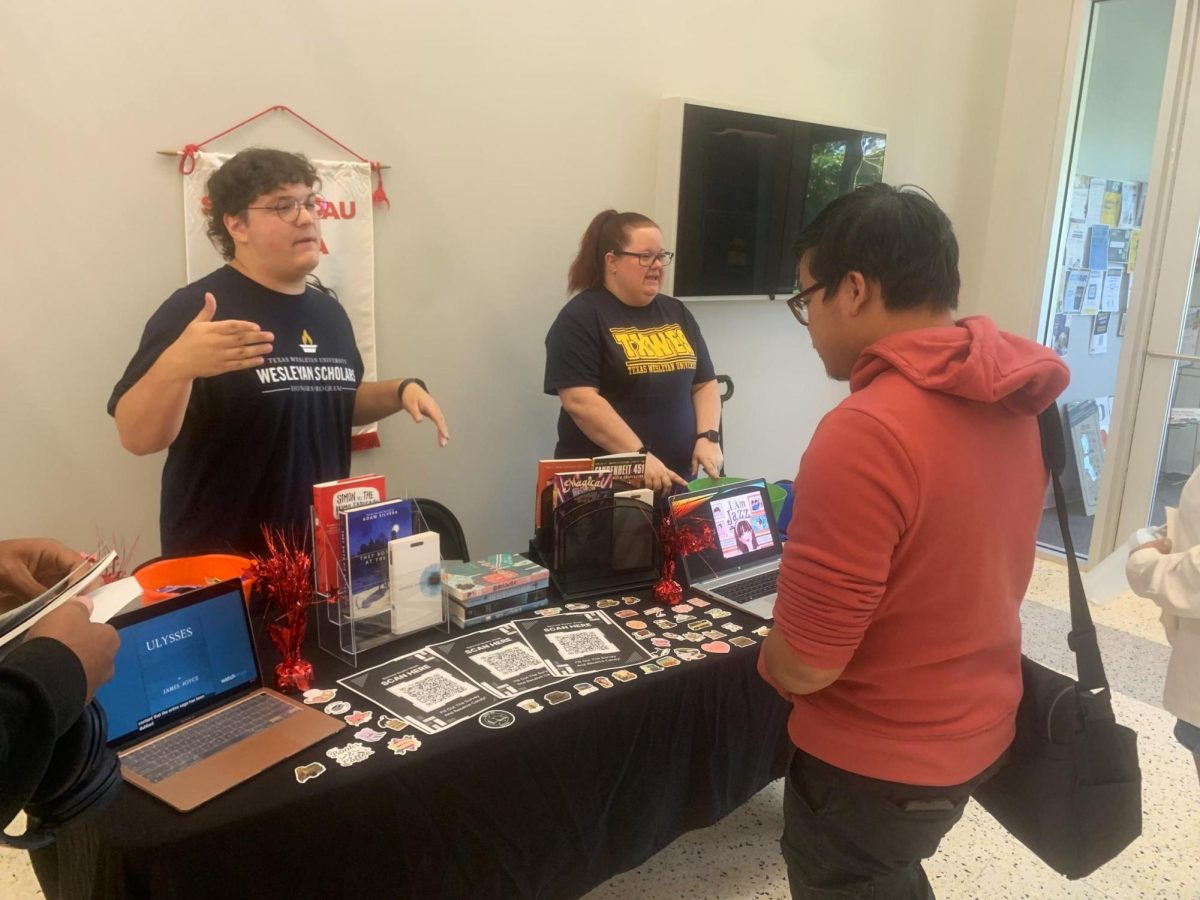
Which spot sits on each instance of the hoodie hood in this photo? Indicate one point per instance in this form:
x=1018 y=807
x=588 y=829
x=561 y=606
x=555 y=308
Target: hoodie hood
x=973 y=360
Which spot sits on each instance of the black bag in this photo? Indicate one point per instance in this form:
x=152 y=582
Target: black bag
x=1071 y=789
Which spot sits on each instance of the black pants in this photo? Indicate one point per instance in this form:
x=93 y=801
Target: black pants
x=849 y=836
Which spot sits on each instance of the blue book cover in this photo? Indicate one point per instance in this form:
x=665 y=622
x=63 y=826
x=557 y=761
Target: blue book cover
x=366 y=531
x=1097 y=252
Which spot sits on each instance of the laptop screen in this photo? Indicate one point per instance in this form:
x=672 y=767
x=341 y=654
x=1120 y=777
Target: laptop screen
x=179 y=658
x=736 y=523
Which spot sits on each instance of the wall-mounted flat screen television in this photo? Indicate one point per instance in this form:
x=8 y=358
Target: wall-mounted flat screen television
x=746 y=185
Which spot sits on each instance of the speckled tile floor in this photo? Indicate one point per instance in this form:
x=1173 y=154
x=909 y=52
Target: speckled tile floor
x=739 y=856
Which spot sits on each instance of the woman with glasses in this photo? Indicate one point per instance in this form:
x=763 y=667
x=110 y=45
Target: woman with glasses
x=629 y=364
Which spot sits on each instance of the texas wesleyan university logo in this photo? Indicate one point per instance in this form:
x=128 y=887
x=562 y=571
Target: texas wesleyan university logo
x=306 y=343
x=662 y=349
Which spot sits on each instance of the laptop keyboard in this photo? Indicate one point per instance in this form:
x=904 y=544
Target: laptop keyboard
x=160 y=760
x=750 y=589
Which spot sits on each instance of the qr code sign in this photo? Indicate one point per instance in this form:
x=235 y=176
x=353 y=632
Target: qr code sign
x=432 y=690
x=586 y=642
x=508 y=661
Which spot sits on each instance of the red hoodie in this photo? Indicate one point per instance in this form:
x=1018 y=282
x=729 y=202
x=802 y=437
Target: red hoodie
x=910 y=547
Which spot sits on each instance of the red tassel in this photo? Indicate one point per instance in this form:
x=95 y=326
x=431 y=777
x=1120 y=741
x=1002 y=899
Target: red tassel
x=380 y=195
x=187 y=162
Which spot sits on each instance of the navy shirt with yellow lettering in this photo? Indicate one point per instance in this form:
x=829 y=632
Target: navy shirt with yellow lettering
x=644 y=360
x=253 y=442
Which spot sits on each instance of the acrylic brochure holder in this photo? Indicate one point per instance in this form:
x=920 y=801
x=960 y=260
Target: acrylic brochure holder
x=398 y=591
x=604 y=546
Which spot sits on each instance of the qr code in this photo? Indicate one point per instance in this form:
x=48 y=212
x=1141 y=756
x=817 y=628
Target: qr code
x=432 y=690
x=509 y=661
x=587 y=642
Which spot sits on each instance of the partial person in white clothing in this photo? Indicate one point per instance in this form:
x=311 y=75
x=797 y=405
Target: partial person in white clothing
x=1167 y=571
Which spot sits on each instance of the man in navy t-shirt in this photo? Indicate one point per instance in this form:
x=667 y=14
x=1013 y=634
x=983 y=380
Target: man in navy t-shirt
x=250 y=375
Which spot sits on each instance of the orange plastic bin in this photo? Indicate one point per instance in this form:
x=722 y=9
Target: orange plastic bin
x=191 y=572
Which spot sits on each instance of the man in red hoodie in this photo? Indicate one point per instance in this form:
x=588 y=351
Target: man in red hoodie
x=897 y=637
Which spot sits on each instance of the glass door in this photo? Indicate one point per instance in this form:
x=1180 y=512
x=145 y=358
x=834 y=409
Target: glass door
x=1098 y=263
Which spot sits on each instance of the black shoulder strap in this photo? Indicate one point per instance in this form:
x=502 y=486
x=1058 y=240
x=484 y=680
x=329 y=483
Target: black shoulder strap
x=1082 y=638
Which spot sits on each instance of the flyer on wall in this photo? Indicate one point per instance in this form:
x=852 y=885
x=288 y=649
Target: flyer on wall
x=499 y=659
x=422 y=688
x=578 y=643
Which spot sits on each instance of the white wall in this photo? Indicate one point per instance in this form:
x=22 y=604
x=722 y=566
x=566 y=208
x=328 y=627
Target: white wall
x=507 y=126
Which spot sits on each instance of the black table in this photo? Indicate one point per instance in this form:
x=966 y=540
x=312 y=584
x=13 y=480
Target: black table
x=549 y=807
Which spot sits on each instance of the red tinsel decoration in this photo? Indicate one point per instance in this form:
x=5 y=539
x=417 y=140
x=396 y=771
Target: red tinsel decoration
x=285 y=573
x=690 y=537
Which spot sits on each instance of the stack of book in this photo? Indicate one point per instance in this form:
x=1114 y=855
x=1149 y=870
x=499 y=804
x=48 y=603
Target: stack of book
x=493 y=588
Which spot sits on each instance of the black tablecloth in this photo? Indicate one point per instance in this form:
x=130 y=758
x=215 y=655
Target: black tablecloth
x=549 y=807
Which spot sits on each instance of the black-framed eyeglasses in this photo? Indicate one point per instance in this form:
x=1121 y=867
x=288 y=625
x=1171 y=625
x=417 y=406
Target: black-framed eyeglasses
x=646 y=258
x=799 y=304
x=288 y=208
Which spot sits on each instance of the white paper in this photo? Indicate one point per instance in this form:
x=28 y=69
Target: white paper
x=110 y=599
x=1093 y=292
x=1110 y=296
x=1076 y=245
x=1129 y=199
x=1079 y=197
x=1095 y=203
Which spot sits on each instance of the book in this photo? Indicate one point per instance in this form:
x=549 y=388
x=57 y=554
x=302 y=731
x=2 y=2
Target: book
x=91 y=568
x=415 y=582
x=547 y=469
x=568 y=485
x=487 y=605
x=366 y=532
x=538 y=603
x=627 y=468
x=502 y=594
x=645 y=495
x=466 y=581
x=330 y=500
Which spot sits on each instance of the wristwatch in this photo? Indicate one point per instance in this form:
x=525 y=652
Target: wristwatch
x=714 y=436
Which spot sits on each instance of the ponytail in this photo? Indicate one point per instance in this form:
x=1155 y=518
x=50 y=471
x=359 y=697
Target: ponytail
x=607 y=232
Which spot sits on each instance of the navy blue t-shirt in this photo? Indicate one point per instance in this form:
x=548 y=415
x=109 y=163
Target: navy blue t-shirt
x=644 y=360
x=253 y=442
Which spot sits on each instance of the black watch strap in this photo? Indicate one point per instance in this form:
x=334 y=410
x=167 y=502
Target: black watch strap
x=714 y=436
x=406 y=382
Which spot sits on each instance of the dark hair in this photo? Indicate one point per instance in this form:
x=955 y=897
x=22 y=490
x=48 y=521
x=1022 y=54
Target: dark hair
x=897 y=235
x=608 y=232
x=248 y=175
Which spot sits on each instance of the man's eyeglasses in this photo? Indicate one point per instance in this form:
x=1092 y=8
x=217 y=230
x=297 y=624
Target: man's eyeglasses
x=662 y=257
x=288 y=208
x=799 y=304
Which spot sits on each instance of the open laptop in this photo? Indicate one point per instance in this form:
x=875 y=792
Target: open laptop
x=187 y=710
x=742 y=565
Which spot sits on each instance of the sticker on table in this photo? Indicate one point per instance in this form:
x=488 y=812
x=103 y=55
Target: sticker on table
x=660 y=642
x=682 y=608
x=699 y=625
x=695 y=637
x=732 y=627
x=370 y=735
x=714 y=635
x=496 y=718
x=581 y=643
x=556 y=697
x=699 y=603
x=577 y=607
x=689 y=654
x=584 y=688
x=631 y=601
x=624 y=675
x=715 y=647
x=409 y=743
x=684 y=617
x=742 y=641
x=642 y=635
x=668 y=661
x=650 y=668
x=337 y=708
x=351 y=754
x=309 y=771
x=762 y=630
x=423 y=688
x=360 y=717
x=548 y=611
x=664 y=624
x=499 y=659
x=316 y=697
x=720 y=614
x=531 y=706
x=607 y=604
x=635 y=624
x=392 y=724
x=604 y=681
x=653 y=611
x=625 y=613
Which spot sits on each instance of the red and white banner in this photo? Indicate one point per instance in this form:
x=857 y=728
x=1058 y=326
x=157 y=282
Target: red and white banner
x=347 y=247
